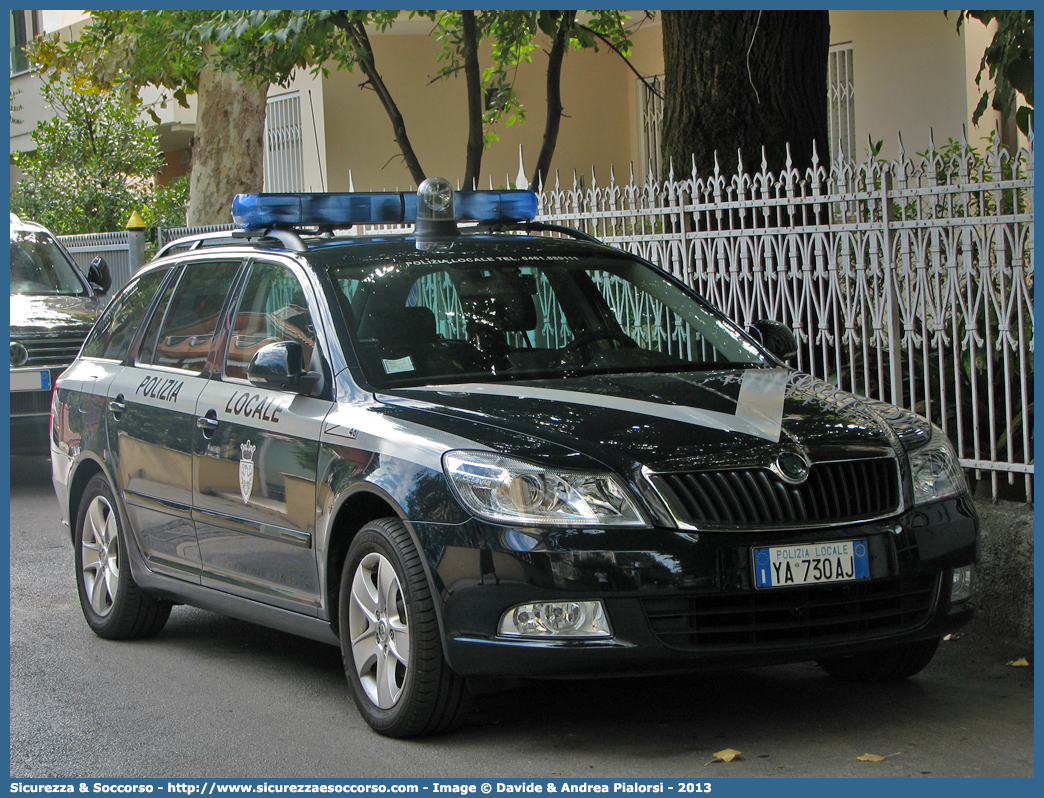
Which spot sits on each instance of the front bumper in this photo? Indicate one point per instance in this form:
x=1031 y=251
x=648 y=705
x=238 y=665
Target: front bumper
x=31 y=411
x=30 y=435
x=685 y=600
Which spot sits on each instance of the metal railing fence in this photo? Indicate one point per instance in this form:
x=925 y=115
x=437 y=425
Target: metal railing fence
x=908 y=280
x=114 y=247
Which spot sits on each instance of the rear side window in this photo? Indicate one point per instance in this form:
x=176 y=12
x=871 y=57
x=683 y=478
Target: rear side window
x=112 y=335
x=182 y=328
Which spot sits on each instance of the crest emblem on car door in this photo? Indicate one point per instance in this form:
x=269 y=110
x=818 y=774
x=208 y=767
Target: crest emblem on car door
x=246 y=471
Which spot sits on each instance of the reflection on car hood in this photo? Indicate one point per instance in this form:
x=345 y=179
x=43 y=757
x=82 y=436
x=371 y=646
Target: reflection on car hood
x=40 y=315
x=659 y=420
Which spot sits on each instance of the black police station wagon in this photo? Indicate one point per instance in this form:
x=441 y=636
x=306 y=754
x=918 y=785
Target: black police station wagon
x=479 y=450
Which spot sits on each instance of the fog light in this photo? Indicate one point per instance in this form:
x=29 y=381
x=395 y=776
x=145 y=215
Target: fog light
x=559 y=619
x=961 y=589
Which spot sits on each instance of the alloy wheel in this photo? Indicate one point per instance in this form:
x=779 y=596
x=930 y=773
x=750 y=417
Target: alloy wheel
x=100 y=556
x=379 y=630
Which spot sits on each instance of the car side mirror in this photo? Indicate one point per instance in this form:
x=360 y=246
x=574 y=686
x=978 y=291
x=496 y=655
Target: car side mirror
x=776 y=337
x=98 y=275
x=281 y=367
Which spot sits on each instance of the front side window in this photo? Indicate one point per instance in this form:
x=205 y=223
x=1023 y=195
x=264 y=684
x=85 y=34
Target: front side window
x=428 y=322
x=273 y=309
x=39 y=267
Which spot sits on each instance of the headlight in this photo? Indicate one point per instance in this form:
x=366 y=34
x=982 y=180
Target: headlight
x=937 y=473
x=510 y=491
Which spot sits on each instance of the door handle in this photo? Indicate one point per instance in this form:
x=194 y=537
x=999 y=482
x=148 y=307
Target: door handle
x=208 y=423
x=117 y=406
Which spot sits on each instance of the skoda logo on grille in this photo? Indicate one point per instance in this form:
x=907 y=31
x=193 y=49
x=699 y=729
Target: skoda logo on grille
x=19 y=354
x=792 y=467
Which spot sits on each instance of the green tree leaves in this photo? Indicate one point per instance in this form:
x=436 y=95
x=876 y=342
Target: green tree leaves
x=1008 y=60
x=95 y=162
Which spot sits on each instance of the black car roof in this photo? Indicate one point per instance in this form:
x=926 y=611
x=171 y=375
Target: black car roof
x=324 y=251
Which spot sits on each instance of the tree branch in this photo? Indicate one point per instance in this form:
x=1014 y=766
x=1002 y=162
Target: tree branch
x=554 y=98
x=356 y=32
x=608 y=43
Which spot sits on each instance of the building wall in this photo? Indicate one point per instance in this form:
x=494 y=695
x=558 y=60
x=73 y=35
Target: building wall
x=913 y=74
x=597 y=129
x=315 y=153
x=647 y=58
x=27 y=84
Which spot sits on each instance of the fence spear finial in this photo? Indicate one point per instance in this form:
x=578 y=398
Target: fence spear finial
x=521 y=181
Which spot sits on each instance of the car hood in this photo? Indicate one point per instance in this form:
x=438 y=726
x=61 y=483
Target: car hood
x=44 y=315
x=662 y=421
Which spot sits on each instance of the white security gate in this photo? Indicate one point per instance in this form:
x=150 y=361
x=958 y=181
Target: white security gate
x=284 y=157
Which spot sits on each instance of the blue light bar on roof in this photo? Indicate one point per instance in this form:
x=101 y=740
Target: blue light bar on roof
x=495 y=206
x=345 y=210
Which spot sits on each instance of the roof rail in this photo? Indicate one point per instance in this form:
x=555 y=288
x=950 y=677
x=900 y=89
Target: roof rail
x=288 y=238
x=540 y=227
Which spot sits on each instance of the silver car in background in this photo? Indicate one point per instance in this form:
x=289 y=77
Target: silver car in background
x=53 y=307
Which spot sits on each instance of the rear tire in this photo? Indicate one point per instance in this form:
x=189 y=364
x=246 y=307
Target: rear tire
x=390 y=638
x=886 y=665
x=113 y=604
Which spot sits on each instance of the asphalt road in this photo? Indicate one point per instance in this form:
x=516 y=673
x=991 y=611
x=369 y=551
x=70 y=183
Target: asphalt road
x=212 y=697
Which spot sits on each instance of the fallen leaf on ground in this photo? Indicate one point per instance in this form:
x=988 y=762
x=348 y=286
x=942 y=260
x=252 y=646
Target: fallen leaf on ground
x=1019 y=663
x=727 y=755
x=874 y=757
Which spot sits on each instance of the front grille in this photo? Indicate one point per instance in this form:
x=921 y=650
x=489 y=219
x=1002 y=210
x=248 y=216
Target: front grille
x=51 y=351
x=30 y=403
x=755 y=498
x=792 y=617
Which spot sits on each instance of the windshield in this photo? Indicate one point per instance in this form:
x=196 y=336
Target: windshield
x=427 y=321
x=38 y=266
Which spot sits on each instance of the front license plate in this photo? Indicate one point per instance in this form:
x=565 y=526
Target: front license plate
x=30 y=380
x=811 y=563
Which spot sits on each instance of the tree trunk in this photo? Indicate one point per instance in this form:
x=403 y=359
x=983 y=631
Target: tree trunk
x=360 y=39
x=553 y=120
x=228 y=152
x=473 y=74
x=740 y=80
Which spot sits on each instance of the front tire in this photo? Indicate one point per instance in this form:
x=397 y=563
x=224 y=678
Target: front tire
x=390 y=639
x=113 y=604
x=887 y=665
